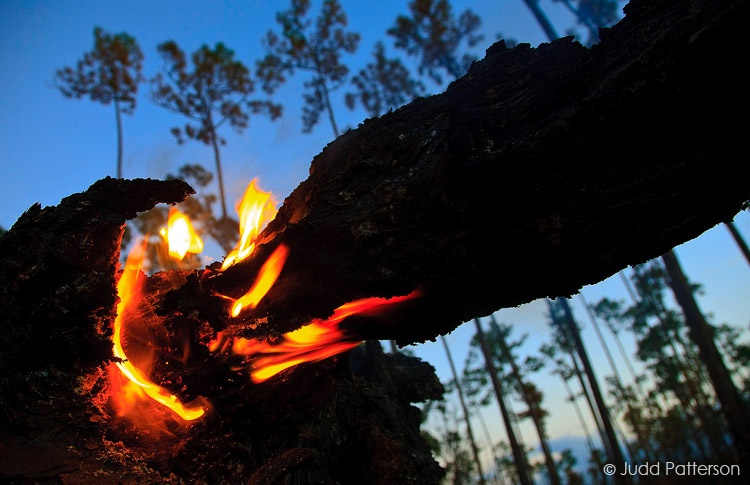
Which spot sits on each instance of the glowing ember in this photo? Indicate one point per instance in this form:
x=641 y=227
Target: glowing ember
x=316 y=341
x=138 y=385
x=180 y=235
x=255 y=210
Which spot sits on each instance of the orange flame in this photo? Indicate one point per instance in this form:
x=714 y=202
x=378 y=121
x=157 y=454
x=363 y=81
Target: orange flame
x=316 y=341
x=180 y=235
x=138 y=385
x=320 y=339
x=269 y=272
x=255 y=209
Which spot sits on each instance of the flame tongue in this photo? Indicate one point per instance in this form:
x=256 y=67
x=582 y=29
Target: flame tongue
x=316 y=341
x=180 y=235
x=138 y=384
x=267 y=276
x=255 y=209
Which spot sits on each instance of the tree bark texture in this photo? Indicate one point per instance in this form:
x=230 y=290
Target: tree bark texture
x=540 y=171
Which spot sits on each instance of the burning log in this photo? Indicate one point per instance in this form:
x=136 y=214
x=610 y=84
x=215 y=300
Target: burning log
x=582 y=161
x=538 y=172
x=70 y=415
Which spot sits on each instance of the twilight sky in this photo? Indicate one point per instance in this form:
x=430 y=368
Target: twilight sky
x=51 y=147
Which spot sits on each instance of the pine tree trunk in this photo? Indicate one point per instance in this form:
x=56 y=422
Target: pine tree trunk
x=739 y=240
x=519 y=454
x=534 y=411
x=616 y=456
x=219 y=176
x=542 y=19
x=118 y=121
x=465 y=409
x=734 y=409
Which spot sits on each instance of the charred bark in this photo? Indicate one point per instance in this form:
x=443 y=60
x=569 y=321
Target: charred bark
x=58 y=272
x=538 y=172
x=584 y=161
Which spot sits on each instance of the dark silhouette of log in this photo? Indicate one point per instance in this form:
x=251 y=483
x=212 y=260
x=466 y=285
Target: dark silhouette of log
x=538 y=172
x=345 y=420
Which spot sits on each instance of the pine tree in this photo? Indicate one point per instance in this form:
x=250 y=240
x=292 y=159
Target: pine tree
x=316 y=49
x=109 y=73
x=435 y=36
x=214 y=90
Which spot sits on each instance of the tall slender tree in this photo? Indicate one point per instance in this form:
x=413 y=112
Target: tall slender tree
x=734 y=408
x=565 y=372
x=215 y=89
x=109 y=73
x=522 y=468
x=437 y=38
x=465 y=409
x=739 y=240
x=316 y=49
x=530 y=394
x=676 y=364
x=542 y=19
x=614 y=450
x=383 y=84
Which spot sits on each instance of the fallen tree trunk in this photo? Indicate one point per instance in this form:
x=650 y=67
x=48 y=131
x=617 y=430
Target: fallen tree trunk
x=346 y=420
x=538 y=172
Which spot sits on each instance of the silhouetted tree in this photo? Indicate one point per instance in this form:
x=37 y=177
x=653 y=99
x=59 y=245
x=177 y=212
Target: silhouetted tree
x=592 y=14
x=564 y=318
x=464 y=408
x=530 y=394
x=383 y=84
x=109 y=73
x=739 y=240
x=735 y=410
x=435 y=36
x=316 y=49
x=213 y=90
x=476 y=378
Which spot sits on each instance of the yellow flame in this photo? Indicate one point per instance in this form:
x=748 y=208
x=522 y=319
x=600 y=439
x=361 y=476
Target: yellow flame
x=255 y=209
x=315 y=341
x=180 y=235
x=267 y=276
x=128 y=289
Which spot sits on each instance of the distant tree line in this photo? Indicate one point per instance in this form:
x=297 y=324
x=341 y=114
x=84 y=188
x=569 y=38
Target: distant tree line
x=212 y=88
x=689 y=401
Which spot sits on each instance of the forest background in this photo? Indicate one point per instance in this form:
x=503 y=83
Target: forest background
x=53 y=145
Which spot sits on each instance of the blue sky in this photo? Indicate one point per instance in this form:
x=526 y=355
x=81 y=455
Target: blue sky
x=51 y=147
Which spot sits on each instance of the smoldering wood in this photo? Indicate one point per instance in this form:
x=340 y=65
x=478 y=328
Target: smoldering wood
x=346 y=420
x=541 y=170
x=59 y=267
x=538 y=172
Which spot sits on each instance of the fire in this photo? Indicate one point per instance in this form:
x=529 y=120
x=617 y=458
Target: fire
x=138 y=385
x=315 y=341
x=180 y=235
x=320 y=339
x=269 y=272
x=255 y=209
